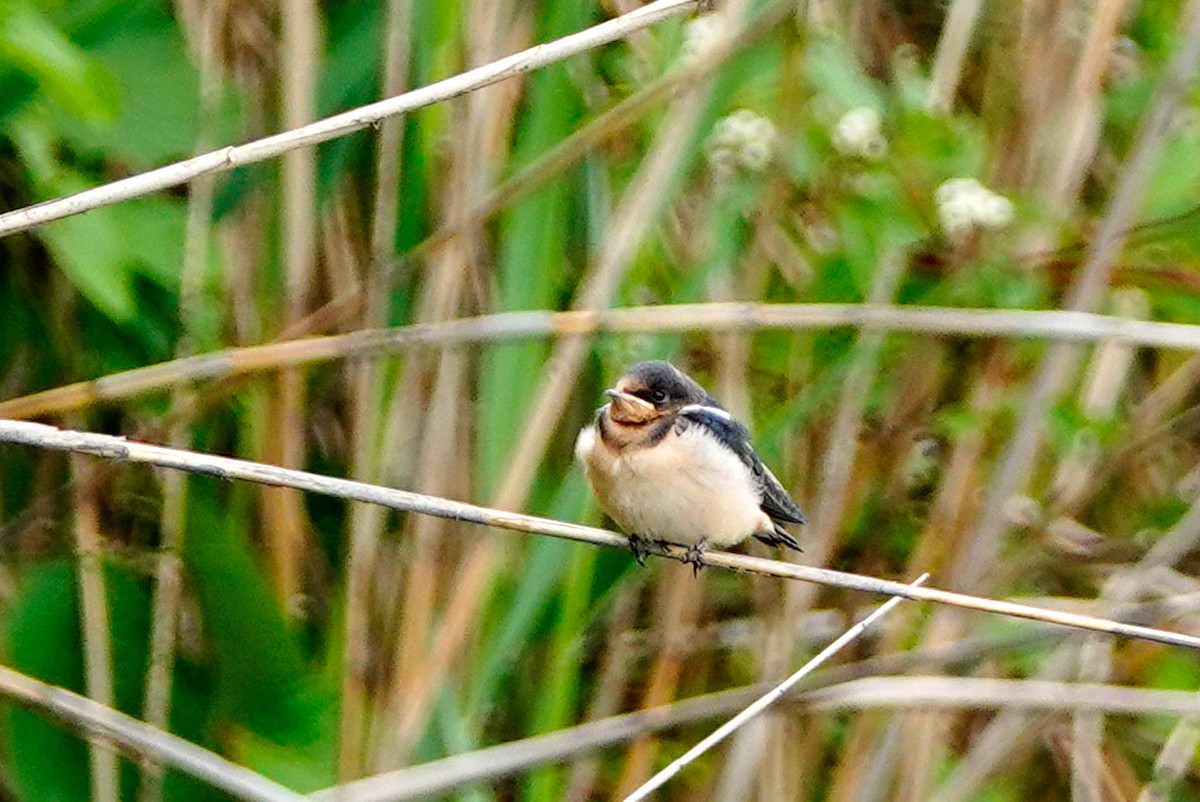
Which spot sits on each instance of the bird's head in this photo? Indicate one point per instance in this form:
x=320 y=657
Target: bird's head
x=650 y=390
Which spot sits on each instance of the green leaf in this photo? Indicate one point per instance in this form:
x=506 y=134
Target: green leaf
x=90 y=251
x=263 y=682
x=63 y=73
x=48 y=762
x=1175 y=186
x=533 y=248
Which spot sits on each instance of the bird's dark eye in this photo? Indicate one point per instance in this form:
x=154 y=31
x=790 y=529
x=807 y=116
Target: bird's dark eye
x=656 y=396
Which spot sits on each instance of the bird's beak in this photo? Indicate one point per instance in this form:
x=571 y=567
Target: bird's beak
x=628 y=408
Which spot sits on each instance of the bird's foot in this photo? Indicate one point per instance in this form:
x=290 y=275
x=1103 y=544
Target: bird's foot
x=640 y=547
x=693 y=556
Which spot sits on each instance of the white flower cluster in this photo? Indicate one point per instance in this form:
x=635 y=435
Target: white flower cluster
x=964 y=203
x=859 y=133
x=700 y=36
x=742 y=139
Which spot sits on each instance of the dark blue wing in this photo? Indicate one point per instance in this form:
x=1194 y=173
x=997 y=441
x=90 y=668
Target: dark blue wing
x=733 y=435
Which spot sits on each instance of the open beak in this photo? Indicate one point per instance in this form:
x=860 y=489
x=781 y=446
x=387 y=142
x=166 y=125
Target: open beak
x=628 y=408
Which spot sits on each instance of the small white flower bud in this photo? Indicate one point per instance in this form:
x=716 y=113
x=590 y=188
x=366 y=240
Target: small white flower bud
x=964 y=203
x=995 y=211
x=700 y=36
x=742 y=139
x=859 y=134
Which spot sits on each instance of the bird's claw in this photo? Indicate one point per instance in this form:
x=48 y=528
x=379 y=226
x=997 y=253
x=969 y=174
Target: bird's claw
x=640 y=548
x=694 y=557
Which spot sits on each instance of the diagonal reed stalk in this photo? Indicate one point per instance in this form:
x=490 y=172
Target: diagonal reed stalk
x=760 y=705
x=117 y=448
x=344 y=123
x=102 y=723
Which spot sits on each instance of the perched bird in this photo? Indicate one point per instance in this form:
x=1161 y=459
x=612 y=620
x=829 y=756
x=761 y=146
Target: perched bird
x=671 y=465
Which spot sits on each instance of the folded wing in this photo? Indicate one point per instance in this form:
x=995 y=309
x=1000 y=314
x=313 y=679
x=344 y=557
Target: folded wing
x=776 y=502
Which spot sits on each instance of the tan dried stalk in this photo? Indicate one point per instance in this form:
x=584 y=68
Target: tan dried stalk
x=93 y=623
x=1106 y=378
x=167 y=580
x=286 y=526
x=507 y=326
x=613 y=677
x=117 y=448
x=103 y=724
x=677 y=604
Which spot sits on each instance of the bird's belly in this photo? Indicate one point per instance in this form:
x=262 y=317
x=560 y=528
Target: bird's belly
x=686 y=489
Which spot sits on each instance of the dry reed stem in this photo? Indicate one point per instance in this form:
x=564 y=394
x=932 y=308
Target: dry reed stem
x=1106 y=377
x=845 y=687
x=94 y=629
x=104 y=724
x=115 y=448
x=167 y=592
x=842 y=444
x=370 y=411
x=492 y=28
x=283 y=511
x=983 y=693
x=344 y=123
x=1002 y=734
x=951 y=53
x=745 y=754
x=612 y=679
x=1081 y=121
x=440 y=453
x=677 y=605
x=841 y=449
x=396 y=57
x=761 y=704
x=480 y=150
x=1173 y=761
x=506 y=326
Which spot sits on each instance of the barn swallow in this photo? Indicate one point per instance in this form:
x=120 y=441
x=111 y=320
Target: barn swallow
x=671 y=465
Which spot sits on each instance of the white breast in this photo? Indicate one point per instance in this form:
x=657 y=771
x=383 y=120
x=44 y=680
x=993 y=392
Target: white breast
x=686 y=488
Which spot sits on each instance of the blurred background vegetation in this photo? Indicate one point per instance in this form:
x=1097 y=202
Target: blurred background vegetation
x=315 y=642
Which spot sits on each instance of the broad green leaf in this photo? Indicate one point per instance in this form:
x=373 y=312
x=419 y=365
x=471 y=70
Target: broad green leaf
x=48 y=762
x=263 y=679
x=64 y=74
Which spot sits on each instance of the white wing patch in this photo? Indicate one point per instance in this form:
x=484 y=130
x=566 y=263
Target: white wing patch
x=720 y=413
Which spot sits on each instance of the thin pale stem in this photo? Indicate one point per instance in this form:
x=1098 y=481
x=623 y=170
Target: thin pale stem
x=97 y=642
x=345 y=123
x=1064 y=326
x=116 y=448
x=763 y=702
x=104 y=723
x=167 y=580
